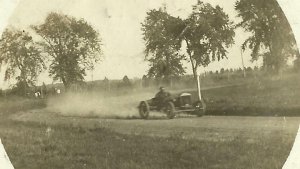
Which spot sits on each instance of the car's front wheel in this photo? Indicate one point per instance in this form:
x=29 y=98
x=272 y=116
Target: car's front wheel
x=144 y=109
x=170 y=110
x=200 y=108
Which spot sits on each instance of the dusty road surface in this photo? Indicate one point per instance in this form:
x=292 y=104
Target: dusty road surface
x=202 y=128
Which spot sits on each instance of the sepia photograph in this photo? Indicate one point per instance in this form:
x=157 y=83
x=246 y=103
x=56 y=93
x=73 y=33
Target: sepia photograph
x=149 y=84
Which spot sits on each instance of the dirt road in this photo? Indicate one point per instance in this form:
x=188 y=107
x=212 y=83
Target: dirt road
x=203 y=128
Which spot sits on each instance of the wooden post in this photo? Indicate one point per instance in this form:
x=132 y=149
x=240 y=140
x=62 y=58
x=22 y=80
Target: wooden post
x=199 y=88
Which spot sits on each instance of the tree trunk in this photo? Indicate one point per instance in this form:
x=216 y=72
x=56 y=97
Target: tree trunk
x=194 y=68
x=196 y=78
x=66 y=84
x=194 y=73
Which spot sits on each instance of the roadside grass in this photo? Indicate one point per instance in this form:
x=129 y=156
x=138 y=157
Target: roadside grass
x=261 y=97
x=12 y=104
x=35 y=146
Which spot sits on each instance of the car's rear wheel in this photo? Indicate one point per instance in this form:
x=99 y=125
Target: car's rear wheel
x=144 y=109
x=200 y=108
x=170 y=110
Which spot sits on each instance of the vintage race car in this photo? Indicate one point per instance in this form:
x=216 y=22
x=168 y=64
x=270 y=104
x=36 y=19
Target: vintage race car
x=181 y=103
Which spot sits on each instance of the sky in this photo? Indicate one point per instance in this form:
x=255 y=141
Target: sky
x=119 y=25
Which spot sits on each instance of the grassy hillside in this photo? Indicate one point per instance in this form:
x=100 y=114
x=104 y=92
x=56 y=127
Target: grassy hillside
x=260 y=97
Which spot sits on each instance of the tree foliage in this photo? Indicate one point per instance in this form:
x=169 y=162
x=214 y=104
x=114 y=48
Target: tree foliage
x=126 y=81
x=73 y=46
x=21 y=58
x=272 y=37
x=207 y=33
x=160 y=32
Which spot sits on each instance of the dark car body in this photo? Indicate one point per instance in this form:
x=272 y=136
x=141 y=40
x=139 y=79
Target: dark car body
x=180 y=103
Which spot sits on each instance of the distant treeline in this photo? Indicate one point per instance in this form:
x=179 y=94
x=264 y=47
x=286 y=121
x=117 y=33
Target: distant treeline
x=208 y=78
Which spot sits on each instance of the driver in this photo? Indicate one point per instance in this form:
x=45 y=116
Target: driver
x=161 y=97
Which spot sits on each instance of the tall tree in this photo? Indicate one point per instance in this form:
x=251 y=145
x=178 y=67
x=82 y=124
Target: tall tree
x=208 y=32
x=272 y=37
x=73 y=45
x=126 y=81
x=162 y=45
x=21 y=58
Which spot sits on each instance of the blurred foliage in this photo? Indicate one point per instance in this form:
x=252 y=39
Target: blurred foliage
x=207 y=32
x=73 y=45
x=162 y=46
x=271 y=35
x=21 y=57
x=126 y=82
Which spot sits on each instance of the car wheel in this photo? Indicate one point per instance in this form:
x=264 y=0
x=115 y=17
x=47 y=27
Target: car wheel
x=200 y=108
x=144 y=109
x=170 y=110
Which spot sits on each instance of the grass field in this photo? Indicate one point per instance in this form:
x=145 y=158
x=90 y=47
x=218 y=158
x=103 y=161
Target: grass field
x=92 y=131
x=257 y=97
x=32 y=145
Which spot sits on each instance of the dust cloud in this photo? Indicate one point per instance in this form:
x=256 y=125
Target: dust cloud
x=96 y=105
